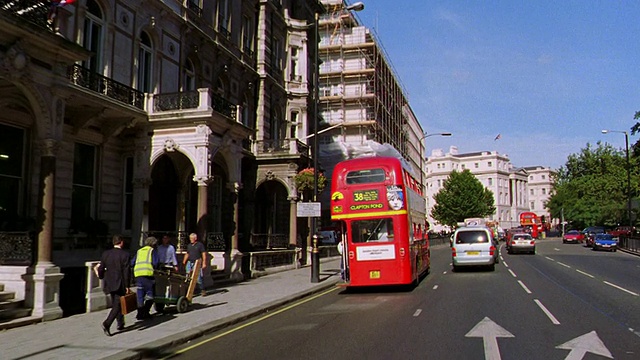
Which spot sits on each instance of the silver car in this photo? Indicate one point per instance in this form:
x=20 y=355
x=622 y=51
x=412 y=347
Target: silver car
x=474 y=246
x=522 y=243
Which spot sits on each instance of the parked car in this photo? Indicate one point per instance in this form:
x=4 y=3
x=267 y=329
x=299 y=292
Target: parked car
x=590 y=232
x=522 y=243
x=573 y=236
x=474 y=246
x=622 y=231
x=605 y=241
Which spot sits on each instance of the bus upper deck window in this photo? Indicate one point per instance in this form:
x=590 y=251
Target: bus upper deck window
x=365 y=176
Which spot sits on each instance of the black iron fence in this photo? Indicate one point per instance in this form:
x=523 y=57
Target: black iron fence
x=269 y=241
x=34 y=11
x=629 y=243
x=86 y=78
x=16 y=248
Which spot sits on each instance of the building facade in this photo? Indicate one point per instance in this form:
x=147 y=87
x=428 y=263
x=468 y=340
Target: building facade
x=515 y=190
x=142 y=118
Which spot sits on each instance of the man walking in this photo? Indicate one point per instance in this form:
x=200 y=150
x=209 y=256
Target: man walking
x=115 y=271
x=195 y=251
x=144 y=262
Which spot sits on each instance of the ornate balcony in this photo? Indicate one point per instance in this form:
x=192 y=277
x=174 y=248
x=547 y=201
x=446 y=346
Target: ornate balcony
x=33 y=11
x=86 y=78
x=201 y=99
x=281 y=147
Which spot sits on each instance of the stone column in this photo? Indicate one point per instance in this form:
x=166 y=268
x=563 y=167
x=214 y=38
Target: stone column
x=235 y=256
x=43 y=279
x=293 y=223
x=203 y=182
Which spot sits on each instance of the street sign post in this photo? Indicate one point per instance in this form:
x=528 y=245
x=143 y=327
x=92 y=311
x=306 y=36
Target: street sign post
x=309 y=209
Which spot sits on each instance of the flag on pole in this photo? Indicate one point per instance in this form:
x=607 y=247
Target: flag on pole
x=497 y=137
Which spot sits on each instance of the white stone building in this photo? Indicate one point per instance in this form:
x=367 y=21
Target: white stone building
x=510 y=185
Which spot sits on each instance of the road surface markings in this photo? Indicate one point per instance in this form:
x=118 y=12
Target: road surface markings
x=505 y=264
x=621 y=288
x=524 y=287
x=547 y=312
x=580 y=346
x=563 y=264
x=444 y=272
x=548 y=258
x=489 y=331
x=512 y=273
x=586 y=274
x=265 y=317
x=417 y=313
x=556 y=249
x=435 y=287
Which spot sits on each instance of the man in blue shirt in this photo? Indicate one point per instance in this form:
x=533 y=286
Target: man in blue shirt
x=167 y=254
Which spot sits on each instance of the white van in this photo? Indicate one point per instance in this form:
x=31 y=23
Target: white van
x=474 y=246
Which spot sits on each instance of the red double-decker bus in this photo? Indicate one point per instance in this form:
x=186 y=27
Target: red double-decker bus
x=531 y=222
x=381 y=210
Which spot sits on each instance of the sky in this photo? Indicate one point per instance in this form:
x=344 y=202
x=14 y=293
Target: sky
x=548 y=76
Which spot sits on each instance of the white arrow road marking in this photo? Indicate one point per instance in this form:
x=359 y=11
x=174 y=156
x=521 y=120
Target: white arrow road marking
x=581 y=345
x=489 y=331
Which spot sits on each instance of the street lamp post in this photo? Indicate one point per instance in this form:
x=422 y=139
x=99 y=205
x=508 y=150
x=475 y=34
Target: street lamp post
x=626 y=145
x=315 y=253
x=424 y=136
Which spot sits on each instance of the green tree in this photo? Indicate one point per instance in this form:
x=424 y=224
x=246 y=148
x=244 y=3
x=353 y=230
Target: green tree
x=591 y=188
x=462 y=196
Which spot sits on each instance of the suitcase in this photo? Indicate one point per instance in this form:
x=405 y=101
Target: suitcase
x=128 y=303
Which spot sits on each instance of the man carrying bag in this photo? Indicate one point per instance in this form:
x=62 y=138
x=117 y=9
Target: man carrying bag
x=115 y=272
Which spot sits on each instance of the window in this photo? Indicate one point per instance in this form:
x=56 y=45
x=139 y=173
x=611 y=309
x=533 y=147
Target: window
x=365 y=176
x=128 y=193
x=276 y=53
x=532 y=205
x=145 y=60
x=92 y=39
x=490 y=164
x=82 y=197
x=294 y=71
x=532 y=191
x=463 y=166
x=247 y=35
x=476 y=165
x=378 y=230
x=246 y=113
x=12 y=159
x=531 y=177
x=544 y=191
x=293 y=121
x=224 y=17
x=490 y=181
x=189 y=76
x=543 y=177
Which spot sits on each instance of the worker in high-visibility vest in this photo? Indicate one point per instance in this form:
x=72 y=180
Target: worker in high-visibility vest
x=144 y=262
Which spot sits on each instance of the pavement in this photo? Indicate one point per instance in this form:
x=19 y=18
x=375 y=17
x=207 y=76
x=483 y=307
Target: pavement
x=81 y=337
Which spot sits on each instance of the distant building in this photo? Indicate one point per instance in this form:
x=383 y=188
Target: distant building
x=540 y=184
x=510 y=185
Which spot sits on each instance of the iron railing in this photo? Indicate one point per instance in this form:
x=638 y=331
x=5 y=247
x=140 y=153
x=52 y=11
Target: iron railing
x=269 y=241
x=34 y=11
x=629 y=243
x=176 y=101
x=16 y=248
x=86 y=78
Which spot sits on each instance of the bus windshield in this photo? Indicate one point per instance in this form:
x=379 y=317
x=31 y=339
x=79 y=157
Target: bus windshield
x=372 y=230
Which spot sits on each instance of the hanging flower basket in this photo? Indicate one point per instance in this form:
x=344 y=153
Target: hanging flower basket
x=304 y=180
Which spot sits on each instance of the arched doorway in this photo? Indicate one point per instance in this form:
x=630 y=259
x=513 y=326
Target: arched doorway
x=271 y=215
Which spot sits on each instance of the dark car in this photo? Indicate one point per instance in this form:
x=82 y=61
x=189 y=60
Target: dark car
x=622 y=231
x=590 y=232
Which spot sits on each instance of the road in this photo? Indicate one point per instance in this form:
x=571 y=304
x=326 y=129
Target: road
x=565 y=302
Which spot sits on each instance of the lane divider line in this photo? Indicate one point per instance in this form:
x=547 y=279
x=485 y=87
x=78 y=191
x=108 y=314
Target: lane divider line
x=547 y=312
x=563 y=264
x=262 y=318
x=621 y=288
x=548 y=258
x=505 y=264
x=585 y=274
x=524 y=287
x=435 y=287
x=512 y=273
x=417 y=313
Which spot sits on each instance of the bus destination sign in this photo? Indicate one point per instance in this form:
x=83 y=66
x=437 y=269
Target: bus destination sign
x=365 y=195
